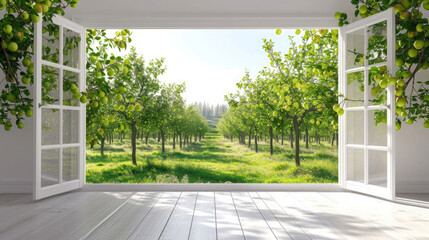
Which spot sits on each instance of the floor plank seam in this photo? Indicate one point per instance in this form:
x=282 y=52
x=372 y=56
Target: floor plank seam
x=262 y=215
x=106 y=218
x=214 y=203
x=165 y=225
x=193 y=214
x=294 y=219
x=274 y=215
x=145 y=215
x=238 y=216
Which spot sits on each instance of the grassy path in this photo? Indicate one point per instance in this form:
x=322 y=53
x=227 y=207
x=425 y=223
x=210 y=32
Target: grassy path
x=214 y=160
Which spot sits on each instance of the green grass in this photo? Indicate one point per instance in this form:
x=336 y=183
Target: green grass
x=214 y=160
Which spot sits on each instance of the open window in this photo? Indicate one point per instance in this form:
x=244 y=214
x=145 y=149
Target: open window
x=366 y=150
x=60 y=118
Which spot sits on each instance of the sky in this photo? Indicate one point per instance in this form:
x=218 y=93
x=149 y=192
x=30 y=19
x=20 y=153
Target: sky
x=209 y=61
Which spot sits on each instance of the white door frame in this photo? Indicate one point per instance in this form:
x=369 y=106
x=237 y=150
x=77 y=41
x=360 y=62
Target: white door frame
x=389 y=191
x=38 y=191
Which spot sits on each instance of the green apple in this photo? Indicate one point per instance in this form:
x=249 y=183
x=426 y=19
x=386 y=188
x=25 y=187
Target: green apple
x=98 y=65
x=392 y=80
x=399 y=62
x=122 y=90
x=404 y=15
x=407 y=74
x=419 y=27
x=297 y=31
x=340 y=112
x=383 y=83
x=425 y=65
x=426 y=124
x=26 y=80
x=11 y=98
x=4 y=45
x=110 y=72
x=35 y=18
x=138 y=107
x=410 y=121
x=123 y=32
x=29 y=113
x=363 y=9
x=426 y=6
x=404 y=114
x=83 y=99
x=101 y=94
x=104 y=100
x=106 y=122
x=95 y=104
x=278 y=31
x=121 y=127
x=419 y=44
x=125 y=70
x=111 y=118
x=397 y=126
x=399 y=110
x=400 y=101
x=26 y=62
x=20 y=125
x=121 y=108
x=399 y=92
x=337 y=15
x=118 y=97
x=7 y=28
x=38 y=8
x=130 y=108
x=412 y=53
x=398 y=8
x=317 y=38
x=400 y=82
x=25 y=15
x=13 y=47
x=101 y=131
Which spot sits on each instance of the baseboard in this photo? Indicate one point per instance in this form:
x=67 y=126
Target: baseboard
x=412 y=187
x=16 y=187
x=124 y=187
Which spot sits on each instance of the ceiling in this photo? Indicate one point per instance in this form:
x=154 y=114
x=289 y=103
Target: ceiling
x=200 y=13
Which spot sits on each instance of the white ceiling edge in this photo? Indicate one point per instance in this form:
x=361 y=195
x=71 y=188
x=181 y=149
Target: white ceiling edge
x=208 y=22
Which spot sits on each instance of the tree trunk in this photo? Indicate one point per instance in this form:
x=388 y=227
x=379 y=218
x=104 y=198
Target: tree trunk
x=174 y=140
x=333 y=139
x=102 y=146
x=250 y=138
x=180 y=137
x=306 y=137
x=163 y=141
x=271 y=140
x=291 y=137
x=159 y=136
x=133 y=142
x=147 y=138
x=256 y=142
x=296 y=127
x=337 y=138
x=283 y=135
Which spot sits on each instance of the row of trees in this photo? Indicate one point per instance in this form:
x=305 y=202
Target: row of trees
x=297 y=92
x=211 y=112
x=134 y=100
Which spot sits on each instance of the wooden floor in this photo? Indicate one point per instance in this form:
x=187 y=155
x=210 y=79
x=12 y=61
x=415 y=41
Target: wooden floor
x=209 y=215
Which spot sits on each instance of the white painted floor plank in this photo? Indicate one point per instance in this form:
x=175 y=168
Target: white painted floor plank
x=152 y=225
x=78 y=223
x=288 y=223
x=179 y=224
x=23 y=220
x=204 y=221
x=350 y=226
x=139 y=203
x=128 y=222
x=253 y=223
x=271 y=220
x=314 y=226
x=408 y=222
x=227 y=222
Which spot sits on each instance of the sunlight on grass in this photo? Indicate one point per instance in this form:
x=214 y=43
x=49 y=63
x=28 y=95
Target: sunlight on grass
x=214 y=160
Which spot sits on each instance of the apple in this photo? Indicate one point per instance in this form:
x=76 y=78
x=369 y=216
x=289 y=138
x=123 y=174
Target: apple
x=101 y=94
x=363 y=9
x=20 y=125
x=399 y=110
x=116 y=108
x=399 y=92
x=118 y=97
x=122 y=108
x=426 y=6
x=400 y=101
x=398 y=8
x=111 y=118
x=125 y=70
x=297 y=31
x=26 y=80
x=426 y=98
x=419 y=44
x=95 y=104
x=410 y=121
x=412 y=53
x=130 y=108
x=13 y=47
x=121 y=127
x=26 y=62
x=425 y=65
x=122 y=90
x=337 y=15
x=138 y=107
x=426 y=124
x=29 y=113
x=278 y=31
x=399 y=62
x=110 y=72
x=4 y=45
x=83 y=99
x=34 y=18
x=7 y=29
x=10 y=97
x=400 y=82
x=340 y=112
x=323 y=32
x=392 y=80
x=100 y=131
x=317 y=38
x=419 y=27
x=397 y=126
x=404 y=15
x=383 y=83
x=104 y=100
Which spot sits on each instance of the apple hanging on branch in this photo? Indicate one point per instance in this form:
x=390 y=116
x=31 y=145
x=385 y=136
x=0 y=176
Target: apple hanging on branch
x=16 y=42
x=412 y=56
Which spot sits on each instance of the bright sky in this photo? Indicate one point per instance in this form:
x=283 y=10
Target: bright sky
x=210 y=62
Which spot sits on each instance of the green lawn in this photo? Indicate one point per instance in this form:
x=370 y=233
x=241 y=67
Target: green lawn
x=214 y=160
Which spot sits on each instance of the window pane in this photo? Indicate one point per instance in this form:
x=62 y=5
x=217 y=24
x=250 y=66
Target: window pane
x=71 y=88
x=355 y=49
x=50 y=42
x=70 y=164
x=377 y=128
x=50 y=92
x=376 y=95
x=50 y=167
x=70 y=126
x=71 y=48
x=355 y=89
x=377 y=161
x=355 y=126
x=377 y=43
x=50 y=126
x=355 y=165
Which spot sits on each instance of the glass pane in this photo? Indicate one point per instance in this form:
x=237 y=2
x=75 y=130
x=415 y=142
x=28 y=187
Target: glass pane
x=50 y=42
x=355 y=127
x=71 y=88
x=70 y=126
x=71 y=48
x=50 y=167
x=377 y=161
x=377 y=43
x=377 y=128
x=377 y=95
x=70 y=163
x=50 y=81
x=355 y=49
x=355 y=165
x=50 y=126
x=355 y=89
